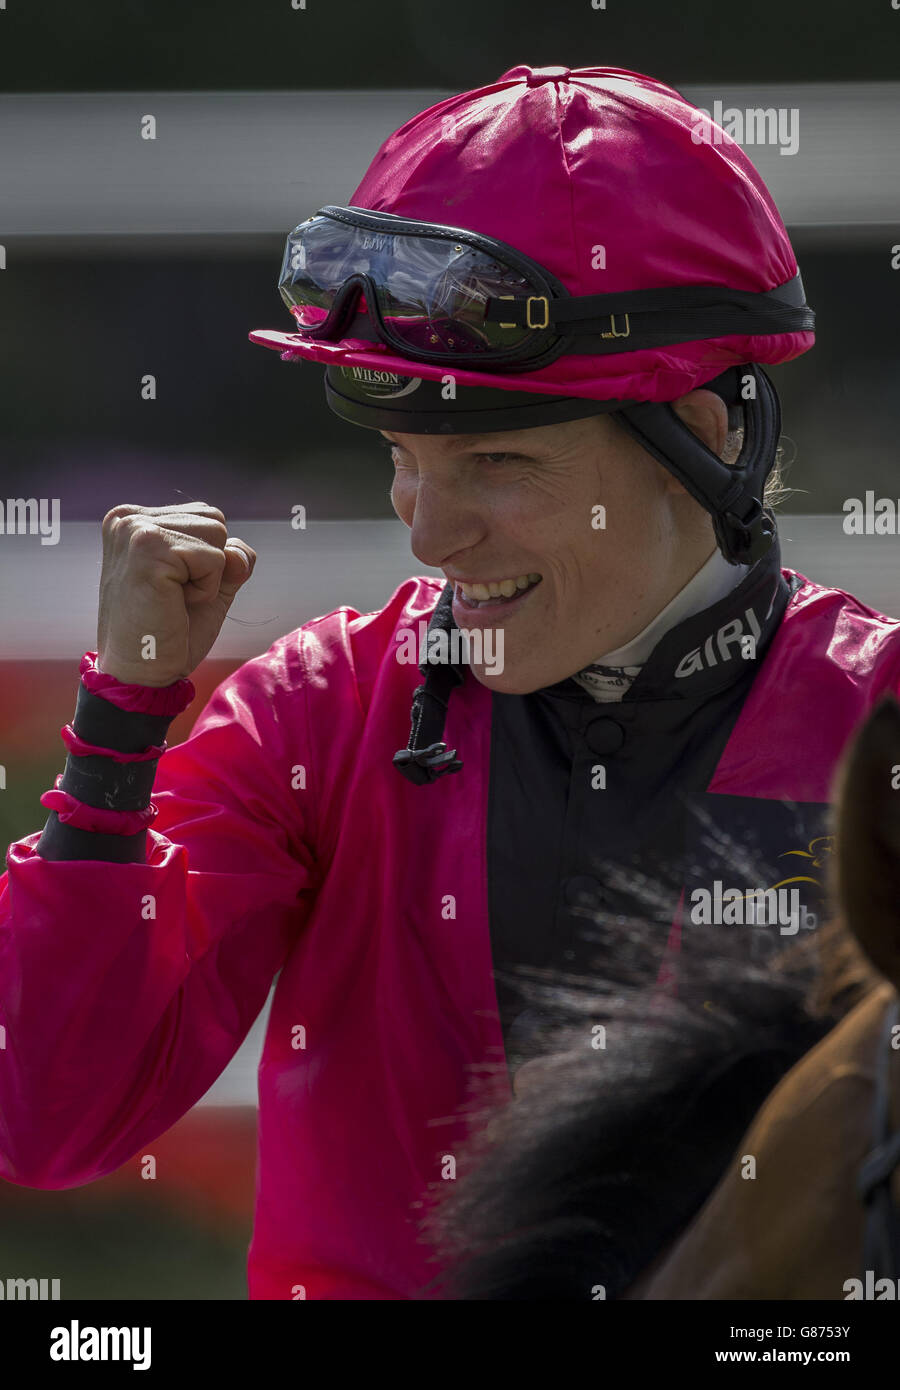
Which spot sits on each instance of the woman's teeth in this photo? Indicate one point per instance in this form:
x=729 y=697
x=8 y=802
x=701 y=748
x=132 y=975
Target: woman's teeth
x=498 y=589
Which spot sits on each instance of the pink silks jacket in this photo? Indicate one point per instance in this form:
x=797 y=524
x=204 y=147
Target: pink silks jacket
x=286 y=841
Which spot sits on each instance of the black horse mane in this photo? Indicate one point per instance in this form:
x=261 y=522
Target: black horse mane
x=585 y=1180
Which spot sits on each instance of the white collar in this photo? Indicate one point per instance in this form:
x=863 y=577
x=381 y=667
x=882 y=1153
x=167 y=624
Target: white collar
x=611 y=674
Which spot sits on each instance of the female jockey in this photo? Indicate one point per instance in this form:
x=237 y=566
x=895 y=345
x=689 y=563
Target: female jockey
x=551 y=297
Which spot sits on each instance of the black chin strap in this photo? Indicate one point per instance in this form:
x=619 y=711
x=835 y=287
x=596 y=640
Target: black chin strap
x=427 y=757
x=732 y=494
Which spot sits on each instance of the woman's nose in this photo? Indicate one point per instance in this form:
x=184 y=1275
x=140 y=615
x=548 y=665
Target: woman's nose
x=443 y=523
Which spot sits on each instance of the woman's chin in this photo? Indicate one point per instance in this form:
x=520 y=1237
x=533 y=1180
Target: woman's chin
x=510 y=681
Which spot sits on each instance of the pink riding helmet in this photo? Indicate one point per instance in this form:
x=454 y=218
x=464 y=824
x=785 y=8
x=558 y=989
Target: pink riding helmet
x=613 y=182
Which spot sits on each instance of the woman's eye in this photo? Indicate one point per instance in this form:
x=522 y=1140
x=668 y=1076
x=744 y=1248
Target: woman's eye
x=396 y=454
x=499 y=458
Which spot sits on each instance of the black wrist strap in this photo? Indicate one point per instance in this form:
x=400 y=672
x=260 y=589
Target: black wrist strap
x=60 y=841
x=100 y=781
x=127 y=731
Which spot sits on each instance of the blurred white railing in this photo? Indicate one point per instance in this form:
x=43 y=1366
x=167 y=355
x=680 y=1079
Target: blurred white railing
x=237 y=166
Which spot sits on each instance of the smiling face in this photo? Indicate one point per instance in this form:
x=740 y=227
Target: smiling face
x=512 y=518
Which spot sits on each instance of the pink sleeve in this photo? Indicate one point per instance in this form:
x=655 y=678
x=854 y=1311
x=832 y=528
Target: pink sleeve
x=125 y=989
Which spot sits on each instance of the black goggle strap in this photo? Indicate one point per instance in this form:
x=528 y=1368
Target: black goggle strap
x=679 y=313
x=730 y=493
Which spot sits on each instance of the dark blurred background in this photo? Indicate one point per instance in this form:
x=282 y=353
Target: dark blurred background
x=164 y=45
x=125 y=257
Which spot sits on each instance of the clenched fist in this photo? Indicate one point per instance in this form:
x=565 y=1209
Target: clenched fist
x=170 y=574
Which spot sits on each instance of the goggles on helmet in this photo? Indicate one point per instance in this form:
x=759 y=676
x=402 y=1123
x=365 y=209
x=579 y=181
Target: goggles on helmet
x=444 y=295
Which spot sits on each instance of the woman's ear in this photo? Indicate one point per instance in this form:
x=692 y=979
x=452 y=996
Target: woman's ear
x=706 y=415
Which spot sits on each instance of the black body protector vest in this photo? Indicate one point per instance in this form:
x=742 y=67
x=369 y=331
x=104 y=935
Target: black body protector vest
x=600 y=813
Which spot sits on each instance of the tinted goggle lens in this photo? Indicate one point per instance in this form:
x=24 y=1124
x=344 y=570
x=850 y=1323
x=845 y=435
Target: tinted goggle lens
x=431 y=291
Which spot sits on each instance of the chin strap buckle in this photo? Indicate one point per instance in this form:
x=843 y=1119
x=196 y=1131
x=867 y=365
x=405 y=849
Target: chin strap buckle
x=744 y=540
x=428 y=764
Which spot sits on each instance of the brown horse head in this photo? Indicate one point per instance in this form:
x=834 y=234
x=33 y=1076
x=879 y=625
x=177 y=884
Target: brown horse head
x=867 y=865
x=815 y=1130
x=598 y=1176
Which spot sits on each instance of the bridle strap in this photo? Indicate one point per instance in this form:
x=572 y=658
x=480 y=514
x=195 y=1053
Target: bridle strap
x=881 y=1236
